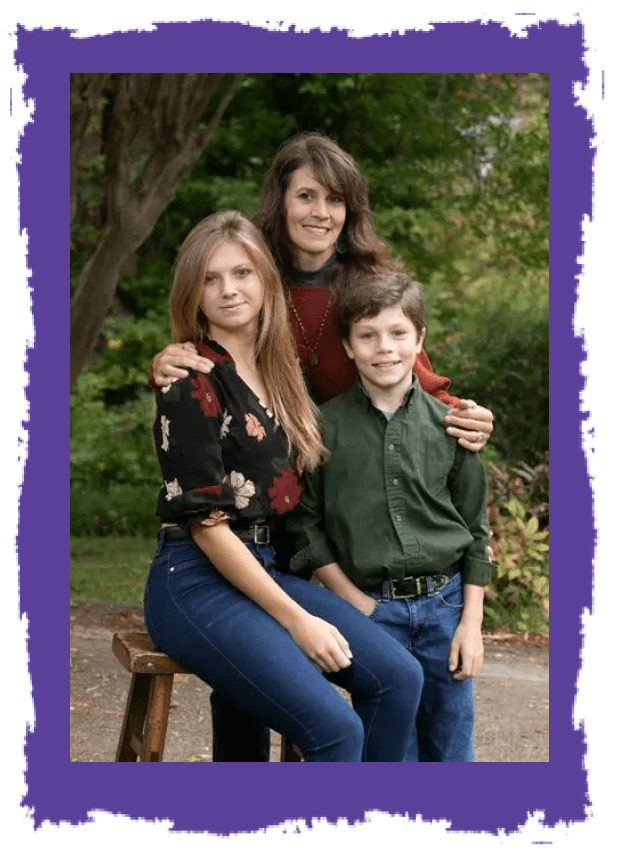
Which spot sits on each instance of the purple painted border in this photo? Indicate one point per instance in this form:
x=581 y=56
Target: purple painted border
x=474 y=799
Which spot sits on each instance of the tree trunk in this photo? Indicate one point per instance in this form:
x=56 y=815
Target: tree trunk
x=157 y=112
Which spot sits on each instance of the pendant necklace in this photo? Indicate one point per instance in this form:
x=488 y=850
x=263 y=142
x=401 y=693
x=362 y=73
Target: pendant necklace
x=313 y=357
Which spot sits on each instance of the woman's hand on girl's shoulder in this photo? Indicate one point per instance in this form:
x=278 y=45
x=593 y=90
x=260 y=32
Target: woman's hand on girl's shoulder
x=470 y=423
x=174 y=361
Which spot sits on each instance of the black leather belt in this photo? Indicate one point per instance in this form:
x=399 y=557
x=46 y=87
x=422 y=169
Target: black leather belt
x=414 y=585
x=260 y=534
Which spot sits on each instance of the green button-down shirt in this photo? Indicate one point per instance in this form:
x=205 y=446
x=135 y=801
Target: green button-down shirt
x=395 y=498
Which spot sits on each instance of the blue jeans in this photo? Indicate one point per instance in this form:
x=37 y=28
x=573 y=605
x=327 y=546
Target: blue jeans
x=425 y=626
x=201 y=621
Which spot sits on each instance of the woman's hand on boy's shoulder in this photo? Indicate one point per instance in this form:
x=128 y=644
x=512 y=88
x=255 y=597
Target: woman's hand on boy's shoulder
x=174 y=361
x=470 y=424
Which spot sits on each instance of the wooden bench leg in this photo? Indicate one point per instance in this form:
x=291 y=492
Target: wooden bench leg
x=155 y=728
x=290 y=753
x=145 y=719
x=134 y=717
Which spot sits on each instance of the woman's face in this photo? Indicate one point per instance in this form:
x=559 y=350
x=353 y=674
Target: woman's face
x=232 y=293
x=314 y=218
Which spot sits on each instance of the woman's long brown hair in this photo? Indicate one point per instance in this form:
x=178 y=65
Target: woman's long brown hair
x=275 y=348
x=361 y=251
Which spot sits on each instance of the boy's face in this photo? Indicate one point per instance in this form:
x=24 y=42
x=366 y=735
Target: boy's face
x=384 y=348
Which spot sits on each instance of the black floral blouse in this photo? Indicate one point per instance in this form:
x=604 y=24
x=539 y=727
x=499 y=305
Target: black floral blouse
x=223 y=455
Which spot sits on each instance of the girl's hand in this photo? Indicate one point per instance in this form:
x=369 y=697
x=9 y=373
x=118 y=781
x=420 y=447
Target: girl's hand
x=322 y=643
x=470 y=423
x=169 y=365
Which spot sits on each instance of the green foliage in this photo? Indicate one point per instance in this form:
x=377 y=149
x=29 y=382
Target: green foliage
x=496 y=349
x=518 y=597
x=120 y=510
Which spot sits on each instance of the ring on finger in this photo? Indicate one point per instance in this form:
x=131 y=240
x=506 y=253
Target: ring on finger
x=480 y=437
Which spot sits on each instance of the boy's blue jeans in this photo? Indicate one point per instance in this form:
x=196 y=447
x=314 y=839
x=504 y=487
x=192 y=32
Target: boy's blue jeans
x=210 y=627
x=444 y=726
x=425 y=626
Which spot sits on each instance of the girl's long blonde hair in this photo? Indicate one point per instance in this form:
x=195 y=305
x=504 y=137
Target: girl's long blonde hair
x=275 y=348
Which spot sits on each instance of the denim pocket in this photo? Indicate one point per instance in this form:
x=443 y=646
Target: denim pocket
x=452 y=594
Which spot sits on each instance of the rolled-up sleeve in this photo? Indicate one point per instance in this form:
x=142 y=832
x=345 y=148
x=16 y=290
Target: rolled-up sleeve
x=187 y=438
x=305 y=528
x=468 y=489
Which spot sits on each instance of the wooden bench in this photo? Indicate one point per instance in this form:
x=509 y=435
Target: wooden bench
x=144 y=729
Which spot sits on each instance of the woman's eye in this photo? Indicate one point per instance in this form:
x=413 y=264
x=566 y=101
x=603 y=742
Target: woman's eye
x=336 y=200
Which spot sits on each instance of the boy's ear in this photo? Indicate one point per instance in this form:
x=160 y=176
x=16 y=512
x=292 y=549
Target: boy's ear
x=348 y=349
x=421 y=336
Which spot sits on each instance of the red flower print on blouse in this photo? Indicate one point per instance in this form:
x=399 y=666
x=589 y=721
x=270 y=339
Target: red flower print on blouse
x=206 y=396
x=285 y=491
x=210 y=490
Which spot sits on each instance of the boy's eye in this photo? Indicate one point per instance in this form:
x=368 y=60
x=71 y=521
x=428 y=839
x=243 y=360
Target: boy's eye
x=367 y=335
x=400 y=334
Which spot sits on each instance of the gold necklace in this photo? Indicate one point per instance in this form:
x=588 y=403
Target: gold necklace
x=313 y=357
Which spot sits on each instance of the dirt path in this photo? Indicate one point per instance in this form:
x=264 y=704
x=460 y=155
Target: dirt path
x=511 y=696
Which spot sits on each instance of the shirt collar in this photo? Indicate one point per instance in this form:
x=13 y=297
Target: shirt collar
x=362 y=396
x=297 y=277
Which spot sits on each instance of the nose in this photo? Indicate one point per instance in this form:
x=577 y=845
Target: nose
x=228 y=285
x=320 y=207
x=383 y=343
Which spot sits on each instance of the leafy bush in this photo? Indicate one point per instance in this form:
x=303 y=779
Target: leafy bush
x=120 y=510
x=496 y=350
x=518 y=597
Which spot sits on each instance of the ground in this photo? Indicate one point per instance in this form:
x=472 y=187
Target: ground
x=512 y=723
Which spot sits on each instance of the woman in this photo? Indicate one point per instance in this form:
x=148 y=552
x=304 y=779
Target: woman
x=314 y=214
x=231 y=441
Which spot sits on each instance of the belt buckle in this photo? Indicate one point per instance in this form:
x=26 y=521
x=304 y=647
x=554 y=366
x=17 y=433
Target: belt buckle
x=261 y=534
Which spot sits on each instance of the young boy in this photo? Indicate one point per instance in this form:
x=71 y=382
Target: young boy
x=394 y=521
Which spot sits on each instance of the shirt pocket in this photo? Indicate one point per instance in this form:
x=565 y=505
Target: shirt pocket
x=437 y=463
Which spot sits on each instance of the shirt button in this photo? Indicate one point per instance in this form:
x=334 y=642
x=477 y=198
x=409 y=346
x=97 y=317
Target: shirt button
x=390 y=446
x=395 y=482
x=398 y=517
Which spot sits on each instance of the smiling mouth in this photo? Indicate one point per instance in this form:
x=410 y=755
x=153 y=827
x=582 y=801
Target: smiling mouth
x=318 y=230
x=386 y=364
x=233 y=306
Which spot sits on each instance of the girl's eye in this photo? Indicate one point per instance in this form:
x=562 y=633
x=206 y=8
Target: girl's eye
x=243 y=272
x=336 y=199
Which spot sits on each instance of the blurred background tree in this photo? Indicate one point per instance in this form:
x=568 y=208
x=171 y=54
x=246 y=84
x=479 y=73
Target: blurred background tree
x=457 y=167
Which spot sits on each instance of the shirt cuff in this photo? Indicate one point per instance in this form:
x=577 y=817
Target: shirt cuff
x=477 y=571
x=312 y=556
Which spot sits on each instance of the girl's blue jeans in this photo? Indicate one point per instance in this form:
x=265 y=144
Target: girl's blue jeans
x=204 y=623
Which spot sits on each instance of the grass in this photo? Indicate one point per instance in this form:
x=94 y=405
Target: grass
x=110 y=568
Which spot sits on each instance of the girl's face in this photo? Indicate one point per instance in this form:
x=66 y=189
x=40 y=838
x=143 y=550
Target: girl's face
x=232 y=294
x=314 y=218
